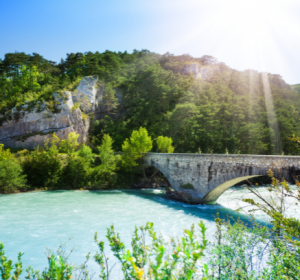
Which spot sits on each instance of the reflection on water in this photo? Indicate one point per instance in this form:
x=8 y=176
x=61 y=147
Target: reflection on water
x=31 y=221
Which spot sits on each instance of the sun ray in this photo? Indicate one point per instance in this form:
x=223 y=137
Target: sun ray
x=271 y=115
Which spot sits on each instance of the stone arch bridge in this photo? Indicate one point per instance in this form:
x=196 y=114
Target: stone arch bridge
x=202 y=178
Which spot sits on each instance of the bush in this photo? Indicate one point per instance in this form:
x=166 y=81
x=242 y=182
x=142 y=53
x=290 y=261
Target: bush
x=76 y=172
x=69 y=145
x=86 y=152
x=43 y=167
x=159 y=259
x=187 y=186
x=11 y=177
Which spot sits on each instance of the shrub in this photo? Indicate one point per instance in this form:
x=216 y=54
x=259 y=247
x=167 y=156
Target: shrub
x=86 y=152
x=75 y=106
x=187 y=186
x=159 y=259
x=76 y=172
x=11 y=177
x=44 y=167
x=69 y=145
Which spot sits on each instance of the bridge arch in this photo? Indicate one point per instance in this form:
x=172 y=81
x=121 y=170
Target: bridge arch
x=210 y=175
x=215 y=193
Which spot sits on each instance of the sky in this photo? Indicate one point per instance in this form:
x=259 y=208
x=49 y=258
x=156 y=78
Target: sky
x=263 y=35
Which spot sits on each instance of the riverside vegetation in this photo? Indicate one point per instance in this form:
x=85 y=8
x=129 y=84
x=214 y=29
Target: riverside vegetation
x=63 y=164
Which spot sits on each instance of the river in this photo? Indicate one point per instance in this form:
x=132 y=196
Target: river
x=29 y=222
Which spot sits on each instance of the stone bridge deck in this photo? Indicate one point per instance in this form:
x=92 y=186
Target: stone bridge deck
x=209 y=175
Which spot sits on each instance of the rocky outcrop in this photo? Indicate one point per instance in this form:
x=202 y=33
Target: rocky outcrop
x=29 y=129
x=199 y=71
x=86 y=93
x=29 y=124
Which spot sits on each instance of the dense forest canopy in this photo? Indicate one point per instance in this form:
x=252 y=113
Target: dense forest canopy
x=223 y=111
x=296 y=88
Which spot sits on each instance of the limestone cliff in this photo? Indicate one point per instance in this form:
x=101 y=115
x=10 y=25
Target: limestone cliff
x=24 y=128
x=199 y=71
x=86 y=93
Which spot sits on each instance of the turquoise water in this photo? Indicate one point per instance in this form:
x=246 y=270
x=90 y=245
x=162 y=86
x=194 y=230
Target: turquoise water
x=29 y=222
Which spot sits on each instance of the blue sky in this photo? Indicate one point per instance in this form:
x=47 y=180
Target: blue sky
x=258 y=34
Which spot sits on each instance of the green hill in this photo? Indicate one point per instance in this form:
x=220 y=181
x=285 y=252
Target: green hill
x=203 y=104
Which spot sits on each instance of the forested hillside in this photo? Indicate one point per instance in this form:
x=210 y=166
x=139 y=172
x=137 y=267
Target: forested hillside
x=296 y=88
x=220 y=110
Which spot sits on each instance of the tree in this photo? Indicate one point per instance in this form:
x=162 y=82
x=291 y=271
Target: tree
x=164 y=144
x=103 y=175
x=43 y=167
x=109 y=98
x=86 y=152
x=69 y=145
x=107 y=156
x=135 y=147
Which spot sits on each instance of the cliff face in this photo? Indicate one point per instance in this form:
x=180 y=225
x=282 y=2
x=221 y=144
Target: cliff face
x=86 y=93
x=198 y=71
x=29 y=129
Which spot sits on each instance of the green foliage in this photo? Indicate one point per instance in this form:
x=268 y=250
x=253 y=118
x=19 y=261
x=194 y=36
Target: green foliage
x=11 y=177
x=140 y=141
x=239 y=112
x=86 y=152
x=76 y=106
x=6 y=266
x=69 y=145
x=43 y=167
x=238 y=251
x=135 y=147
x=59 y=267
x=151 y=257
x=104 y=175
x=235 y=111
x=107 y=156
x=47 y=168
x=296 y=88
x=5 y=154
x=76 y=172
x=164 y=144
x=109 y=98
x=187 y=186
x=153 y=260
x=284 y=253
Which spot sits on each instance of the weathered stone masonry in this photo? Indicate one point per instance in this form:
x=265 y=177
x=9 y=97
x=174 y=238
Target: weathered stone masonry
x=212 y=174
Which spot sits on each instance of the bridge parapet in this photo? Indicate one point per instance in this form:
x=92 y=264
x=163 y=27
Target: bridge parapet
x=210 y=175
